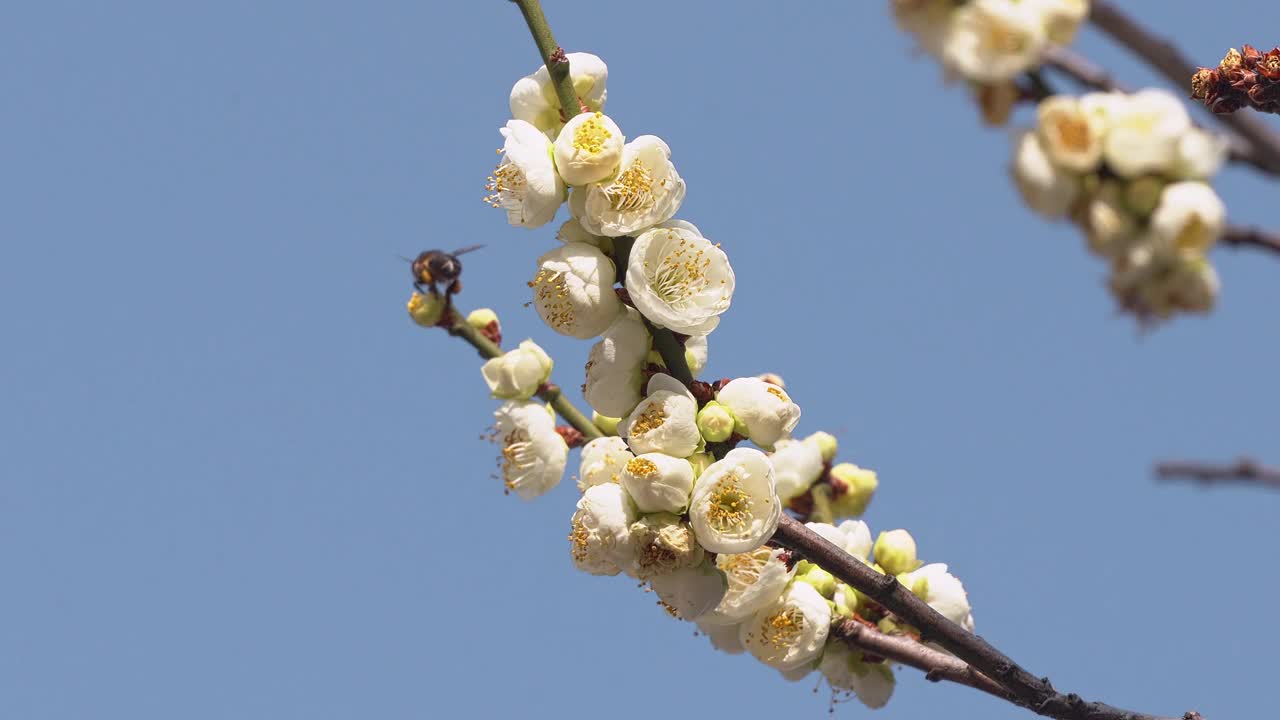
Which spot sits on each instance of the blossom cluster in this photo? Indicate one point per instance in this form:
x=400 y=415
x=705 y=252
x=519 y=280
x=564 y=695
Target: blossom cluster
x=1248 y=78
x=1133 y=172
x=990 y=43
x=671 y=494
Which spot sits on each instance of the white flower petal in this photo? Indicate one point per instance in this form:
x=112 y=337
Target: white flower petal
x=573 y=291
x=735 y=506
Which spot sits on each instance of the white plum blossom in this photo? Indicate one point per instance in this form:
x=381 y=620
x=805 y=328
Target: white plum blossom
x=695 y=354
x=525 y=184
x=615 y=365
x=663 y=544
x=1190 y=216
x=790 y=633
x=588 y=149
x=658 y=482
x=735 y=506
x=993 y=41
x=844 y=669
x=571 y=231
x=1046 y=188
x=517 y=374
x=1200 y=154
x=600 y=531
x=573 y=290
x=1071 y=136
x=665 y=421
x=646 y=191
x=852 y=536
x=942 y=591
x=692 y=592
x=763 y=410
x=1061 y=18
x=797 y=465
x=756 y=579
x=533 y=453
x=533 y=97
x=1145 y=132
x=678 y=279
x=1109 y=225
x=602 y=461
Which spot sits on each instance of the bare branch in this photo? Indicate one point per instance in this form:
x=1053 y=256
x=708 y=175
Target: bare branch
x=1245 y=471
x=907 y=651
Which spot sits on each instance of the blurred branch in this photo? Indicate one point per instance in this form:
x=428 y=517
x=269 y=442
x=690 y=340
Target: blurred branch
x=1241 y=236
x=912 y=653
x=1245 y=471
x=1263 y=143
x=1024 y=689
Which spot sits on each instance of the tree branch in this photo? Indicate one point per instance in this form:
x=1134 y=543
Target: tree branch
x=552 y=56
x=1245 y=471
x=1262 y=143
x=906 y=651
x=1025 y=689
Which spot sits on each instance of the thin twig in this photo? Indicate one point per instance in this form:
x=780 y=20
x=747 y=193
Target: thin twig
x=457 y=326
x=1241 y=236
x=907 y=651
x=1035 y=694
x=1245 y=471
x=1263 y=143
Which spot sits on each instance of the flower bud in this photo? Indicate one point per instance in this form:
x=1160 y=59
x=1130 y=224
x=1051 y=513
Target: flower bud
x=700 y=462
x=773 y=379
x=715 y=422
x=895 y=552
x=827 y=445
x=481 y=318
x=517 y=374
x=426 y=310
x=663 y=544
x=607 y=425
x=1142 y=195
x=658 y=482
x=853 y=488
x=588 y=149
x=821 y=580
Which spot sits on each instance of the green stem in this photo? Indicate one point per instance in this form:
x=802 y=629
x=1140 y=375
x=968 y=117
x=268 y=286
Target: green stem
x=549 y=393
x=552 y=56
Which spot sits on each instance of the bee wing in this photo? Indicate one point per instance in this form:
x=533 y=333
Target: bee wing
x=467 y=249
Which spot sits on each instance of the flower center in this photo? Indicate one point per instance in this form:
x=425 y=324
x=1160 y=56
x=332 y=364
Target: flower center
x=642 y=467
x=743 y=569
x=782 y=629
x=730 y=506
x=1001 y=38
x=652 y=417
x=517 y=456
x=591 y=135
x=1193 y=234
x=578 y=536
x=551 y=292
x=1072 y=132
x=632 y=190
x=507 y=187
x=681 y=274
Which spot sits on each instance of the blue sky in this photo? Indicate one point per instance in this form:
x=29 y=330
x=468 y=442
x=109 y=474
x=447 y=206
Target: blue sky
x=236 y=482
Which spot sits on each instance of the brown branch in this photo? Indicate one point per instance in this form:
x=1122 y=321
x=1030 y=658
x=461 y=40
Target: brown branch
x=1262 y=142
x=1245 y=471
x=1035 y=694
x=906 y=651
x=1240 y=236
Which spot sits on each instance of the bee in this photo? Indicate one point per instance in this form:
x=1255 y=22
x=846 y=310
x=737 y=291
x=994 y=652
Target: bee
x=434 y=267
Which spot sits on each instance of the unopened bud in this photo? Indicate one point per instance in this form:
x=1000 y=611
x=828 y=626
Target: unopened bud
x=773 y=379
x=1142 y=195
x=895 y=552
x=700 y=462
x=852 y=489
x=715 y=422
x=426 y=310
x=480 y=318
x=821 y=580
x=607 y=425
x=827 y=445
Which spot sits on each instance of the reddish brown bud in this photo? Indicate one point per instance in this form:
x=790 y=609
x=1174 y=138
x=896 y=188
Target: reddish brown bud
x=572 y=436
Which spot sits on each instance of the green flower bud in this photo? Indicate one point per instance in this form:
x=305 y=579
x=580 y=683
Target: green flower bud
x=895 y=552
x=827 y=445
x=1142 y=195
x=607 y=425
x=426 y=310
x=852 y=489
x=481 y=318
x=715 y=422
x=700 y=462
x=821 y=580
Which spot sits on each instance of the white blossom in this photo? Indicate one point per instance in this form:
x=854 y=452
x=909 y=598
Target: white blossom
x=723 y=637
x=1200 y=154
x=690 y=593
x=1061 y=18
x=533 y=98
x=533 y=453
x=695 y=354
x=797 y=465
x=665 y=421
x=646 y=190
x=525 y=183
x=600 y=531
x=573 y=291
x=756 y=579
x=942 y=591
x=614 y=365
x=852 y=536
x=1070 y=135
x=993 y=41
x=1145 y=132
x=1109 y=225
x=1045 y=187
x=679 y=280
x=764 y=410
x=588 y=149
x=658 y=482
x=735 y=506
x=571 y=230
x=844 y=669
x=791 y=632
x=517 y=374
x=1190 y=216
x=602 y=461
x=1155 y=281
x=663 y=544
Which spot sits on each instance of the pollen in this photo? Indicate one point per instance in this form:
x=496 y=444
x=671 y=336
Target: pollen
x=682 y=273
x=632 y=190
x=578 y=537
x=517 y=456
x=642 y=467
x=591 y=135
x=777 y=392
x=652 y=417
x=552 y=297
x=730 y=506
x=781 y=630
x=743 y=569
x=1072 y=132
x=507 y=187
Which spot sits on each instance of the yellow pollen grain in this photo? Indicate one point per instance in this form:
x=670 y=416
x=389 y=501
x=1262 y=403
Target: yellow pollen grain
x=507 y=186
x=551 y=295
x=653 y=417
x=642 y=467
x=632 y=190
x=782 y=629
x=729 y=507
x=1072 y=132
x=578 y=536
x=777 y=392
x=591 y=135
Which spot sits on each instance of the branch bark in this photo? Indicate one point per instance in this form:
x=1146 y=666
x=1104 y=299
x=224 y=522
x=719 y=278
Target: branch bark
x=906 y=651
x=1245 y=471
x=1263 y=143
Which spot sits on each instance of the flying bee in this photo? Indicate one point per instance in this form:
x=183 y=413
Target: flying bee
x=434 y=267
